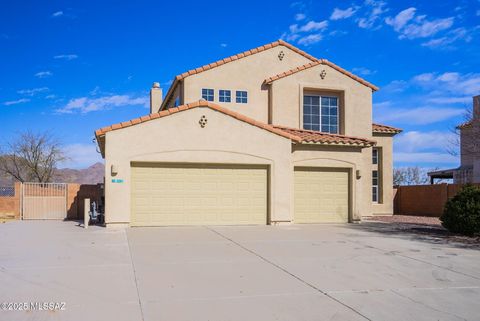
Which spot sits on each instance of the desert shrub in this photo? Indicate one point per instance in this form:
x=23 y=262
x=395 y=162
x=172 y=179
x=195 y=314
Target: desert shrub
x=462 y=213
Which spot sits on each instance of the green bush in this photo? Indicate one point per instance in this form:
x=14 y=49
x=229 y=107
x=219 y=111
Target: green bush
x=462 y=213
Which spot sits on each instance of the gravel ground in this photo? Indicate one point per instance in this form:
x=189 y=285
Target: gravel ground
x=422 y=220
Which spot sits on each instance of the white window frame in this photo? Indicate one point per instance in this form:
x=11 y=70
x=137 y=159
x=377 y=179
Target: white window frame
x=241 y=99
x=320 y=123
x=223 y=97
x=207 y=93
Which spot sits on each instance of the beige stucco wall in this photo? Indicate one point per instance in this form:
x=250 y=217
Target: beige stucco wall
x=385 y=144
x=179 y=138
x=287 y=99
x=247 y=74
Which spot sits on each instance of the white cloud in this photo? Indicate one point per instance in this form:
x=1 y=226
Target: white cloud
x=33 y=91
x=424 y=77
x=80 y=156
x=300 y=17
x=382 y=104
x=478 y=13
x=419 y=115
x=423 y=28
x=66 y=57
x=310 y=26
x=375 y=10
x=446 y=41
x=310 y=39
x=449 y=82
x=450 y=100
x=307 y=34
x=338 y=14
x=401 y=19
x=415 y=141
x=57 y=14
x=43 y=74
x=88 y=104
x=395 y=86
x=363 y=71
x=426 y=157
x=412 y=26
x=15 y=102
x=223 y=45
x=50 y=97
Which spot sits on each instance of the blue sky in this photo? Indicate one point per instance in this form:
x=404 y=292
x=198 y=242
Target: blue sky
x=74 y=66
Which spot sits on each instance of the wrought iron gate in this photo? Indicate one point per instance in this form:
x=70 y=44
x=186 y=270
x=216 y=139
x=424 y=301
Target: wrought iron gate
x=44 y=201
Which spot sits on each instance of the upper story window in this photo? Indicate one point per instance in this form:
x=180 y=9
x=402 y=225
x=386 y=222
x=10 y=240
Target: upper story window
x=241 y=97
x=225 y=96
x=374 y=156
x=320 y=113
x=208 y=94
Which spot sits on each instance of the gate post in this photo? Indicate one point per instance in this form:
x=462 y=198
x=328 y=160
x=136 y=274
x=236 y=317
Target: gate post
x=86 y=209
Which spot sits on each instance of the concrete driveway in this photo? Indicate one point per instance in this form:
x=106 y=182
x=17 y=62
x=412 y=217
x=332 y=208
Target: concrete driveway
x=301 y=272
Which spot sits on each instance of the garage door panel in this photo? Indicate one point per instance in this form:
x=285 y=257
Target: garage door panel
x=321 y=195
x=198 y=195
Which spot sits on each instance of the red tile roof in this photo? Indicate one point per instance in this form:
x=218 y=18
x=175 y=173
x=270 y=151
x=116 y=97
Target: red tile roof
x=316 y=63
x=242 y=55
x=296 y=135
x=384 y=129
x=233 y=58
x=315 y=137
x=202 y=103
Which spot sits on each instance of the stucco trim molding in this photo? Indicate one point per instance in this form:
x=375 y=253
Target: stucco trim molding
x=175 y=155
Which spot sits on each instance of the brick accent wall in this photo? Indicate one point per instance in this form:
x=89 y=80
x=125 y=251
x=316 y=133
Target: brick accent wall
x=424 y=200
x=10 y=205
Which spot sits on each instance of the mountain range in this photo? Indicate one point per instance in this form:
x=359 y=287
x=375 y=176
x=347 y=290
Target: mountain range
x=91 y=175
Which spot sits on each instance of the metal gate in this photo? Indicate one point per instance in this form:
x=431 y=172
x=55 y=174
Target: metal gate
x=44 y=201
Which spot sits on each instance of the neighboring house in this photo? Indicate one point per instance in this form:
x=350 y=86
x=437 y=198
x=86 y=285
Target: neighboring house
x=268 y=136
x=469 y=170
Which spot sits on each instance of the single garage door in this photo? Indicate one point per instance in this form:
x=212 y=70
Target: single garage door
x=198 y=195
x=321 y=195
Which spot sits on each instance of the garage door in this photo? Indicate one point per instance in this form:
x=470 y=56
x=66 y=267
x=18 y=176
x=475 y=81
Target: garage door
x=321 y=195
x=198 y=195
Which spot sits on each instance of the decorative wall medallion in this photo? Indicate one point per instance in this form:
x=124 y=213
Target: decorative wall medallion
x=281 y=55
x=203 y=121
x=323 y=73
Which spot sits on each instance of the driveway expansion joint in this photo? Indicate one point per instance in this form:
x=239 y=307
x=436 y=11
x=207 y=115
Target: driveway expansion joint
x=134 y=274
x=287 y=272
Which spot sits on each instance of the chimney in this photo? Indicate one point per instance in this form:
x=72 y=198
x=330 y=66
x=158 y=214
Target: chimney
x=476 y=107
x=155 y=98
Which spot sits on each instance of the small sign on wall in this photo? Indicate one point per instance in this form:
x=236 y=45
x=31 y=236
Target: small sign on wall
x=117 y=180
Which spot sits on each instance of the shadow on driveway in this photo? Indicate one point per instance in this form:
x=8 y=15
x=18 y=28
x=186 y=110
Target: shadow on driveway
x=433 y=234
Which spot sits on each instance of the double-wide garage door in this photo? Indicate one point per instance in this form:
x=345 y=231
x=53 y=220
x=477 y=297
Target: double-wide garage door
x=198 y=195
x=321 y=195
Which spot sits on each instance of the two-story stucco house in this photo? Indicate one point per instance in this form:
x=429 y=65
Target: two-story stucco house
x=269 y=136
x=469 y=133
